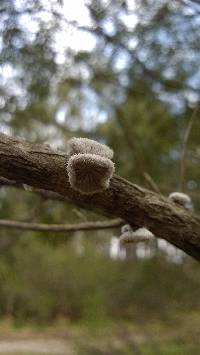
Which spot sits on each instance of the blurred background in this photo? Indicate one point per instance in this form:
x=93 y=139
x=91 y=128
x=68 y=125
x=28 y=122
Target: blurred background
x=125 y=73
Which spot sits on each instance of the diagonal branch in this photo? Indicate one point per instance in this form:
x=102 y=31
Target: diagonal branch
x=151 y=183
x=44 y=168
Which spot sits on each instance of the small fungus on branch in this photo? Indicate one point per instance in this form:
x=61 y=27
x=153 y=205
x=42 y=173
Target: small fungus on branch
x=140 y=235
x=181 y=199
x=89 y=173
x=89 y=167
x=88 y=146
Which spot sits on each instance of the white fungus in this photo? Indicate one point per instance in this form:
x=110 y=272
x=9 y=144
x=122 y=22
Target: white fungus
x=143 y=233
x=139 y=235
x=126 y=228
x=89 y=173
x=88 y=146
x=181 y=199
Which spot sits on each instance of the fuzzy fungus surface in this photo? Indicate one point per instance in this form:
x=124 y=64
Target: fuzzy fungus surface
x=89 y=173
x=182 y=199
x=143 y=233
x=140 y=235
x=88 y=146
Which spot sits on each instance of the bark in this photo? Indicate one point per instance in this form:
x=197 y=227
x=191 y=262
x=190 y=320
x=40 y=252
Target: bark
x=44 y=168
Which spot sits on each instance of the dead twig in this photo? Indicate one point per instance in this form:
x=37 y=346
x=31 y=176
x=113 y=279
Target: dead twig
x=151 y=183
x=40 y=227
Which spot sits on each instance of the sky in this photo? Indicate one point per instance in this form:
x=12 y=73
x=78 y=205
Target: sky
x=69 y=37
x=76 y=10
x=80 y=40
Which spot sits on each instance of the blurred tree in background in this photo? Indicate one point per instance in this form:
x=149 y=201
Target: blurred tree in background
x=127 y=75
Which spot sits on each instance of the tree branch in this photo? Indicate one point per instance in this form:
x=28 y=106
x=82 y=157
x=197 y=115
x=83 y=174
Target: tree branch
x=44 y=168
x=7 y=182
x=184 y=148
x=40 y=227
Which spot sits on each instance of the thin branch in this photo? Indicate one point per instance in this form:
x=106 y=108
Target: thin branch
x=7 y=182
x=58 y=228
x=184 y=148
x=197 y=2
x=192 y=2
x=151 y=183
x=44 y=194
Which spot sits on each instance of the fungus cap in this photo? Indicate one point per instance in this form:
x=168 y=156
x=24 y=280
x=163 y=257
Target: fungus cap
x=88 y=146
x=89 y=173
x=180 y=198
x=140 y=235
x=143 y=233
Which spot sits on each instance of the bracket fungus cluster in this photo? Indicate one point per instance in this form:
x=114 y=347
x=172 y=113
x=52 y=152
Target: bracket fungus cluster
x=89 y=167
x=139 y=235
x=181 y=199
x=129 y=236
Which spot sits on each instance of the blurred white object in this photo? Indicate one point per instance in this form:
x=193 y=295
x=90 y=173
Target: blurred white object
x=181 y=199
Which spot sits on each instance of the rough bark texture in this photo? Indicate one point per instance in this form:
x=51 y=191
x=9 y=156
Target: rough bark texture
x=41 y=167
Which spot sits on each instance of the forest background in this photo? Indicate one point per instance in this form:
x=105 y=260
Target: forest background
x=127 y=74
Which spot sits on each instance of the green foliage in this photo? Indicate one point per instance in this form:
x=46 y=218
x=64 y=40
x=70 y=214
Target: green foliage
x=161 y=349
x=42 y=282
